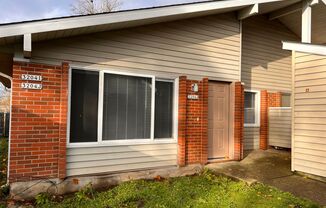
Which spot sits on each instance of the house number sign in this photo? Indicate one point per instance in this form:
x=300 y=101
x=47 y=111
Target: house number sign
x=31 y=86
x=193 y=97
x=31 y=77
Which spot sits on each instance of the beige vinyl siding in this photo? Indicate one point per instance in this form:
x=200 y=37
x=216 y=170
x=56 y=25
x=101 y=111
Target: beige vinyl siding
x=309 y=148
x=104 y=159
x=251 y=138
x=265 y=65
x=200 y=47
x=280 y=127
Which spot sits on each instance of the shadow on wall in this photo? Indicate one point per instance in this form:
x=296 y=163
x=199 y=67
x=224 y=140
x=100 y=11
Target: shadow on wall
x=265 y=65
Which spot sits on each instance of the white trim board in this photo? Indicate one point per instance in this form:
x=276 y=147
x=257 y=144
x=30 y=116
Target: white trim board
x=40 y=26
x=305 y=47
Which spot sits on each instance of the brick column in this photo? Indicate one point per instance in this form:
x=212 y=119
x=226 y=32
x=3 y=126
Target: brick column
x=204 y=121
x=63 y=121
x=182 y=121
x=193 y=122
x=238 y=120
x=38 y=123
x=263 y=142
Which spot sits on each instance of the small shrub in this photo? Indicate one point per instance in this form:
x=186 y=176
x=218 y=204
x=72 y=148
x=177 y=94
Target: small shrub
x=85 y=193
x=42 y=199
x=4 y=191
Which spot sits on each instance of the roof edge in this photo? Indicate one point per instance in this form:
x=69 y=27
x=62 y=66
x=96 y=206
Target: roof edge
x=64 y=23
x=304 y=47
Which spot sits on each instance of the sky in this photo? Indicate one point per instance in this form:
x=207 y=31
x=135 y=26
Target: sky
x=21 y=10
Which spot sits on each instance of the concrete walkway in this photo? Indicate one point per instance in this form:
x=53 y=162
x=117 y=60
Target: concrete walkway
x=273 y=167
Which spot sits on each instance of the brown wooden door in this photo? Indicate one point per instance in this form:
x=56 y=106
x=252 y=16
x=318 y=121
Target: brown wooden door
x=218 y=120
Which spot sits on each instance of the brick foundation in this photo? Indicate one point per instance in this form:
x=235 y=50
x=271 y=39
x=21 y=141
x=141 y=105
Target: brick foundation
x=39 y=123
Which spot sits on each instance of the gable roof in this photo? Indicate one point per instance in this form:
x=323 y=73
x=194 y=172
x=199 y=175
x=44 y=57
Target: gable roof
x=75 y=25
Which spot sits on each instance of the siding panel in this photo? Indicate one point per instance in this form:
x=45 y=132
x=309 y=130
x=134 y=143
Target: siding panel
x=251 y=138
x=90 y=160
x=280 y=127
x=309 y=154
x=206 y=47
x=264 y=64
x=200 y=47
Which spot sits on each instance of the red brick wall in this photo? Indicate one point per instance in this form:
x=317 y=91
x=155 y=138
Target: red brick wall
x=263 y=120
x=238 y=120
x=275 y=99
x=38 y=127
x=193 y=136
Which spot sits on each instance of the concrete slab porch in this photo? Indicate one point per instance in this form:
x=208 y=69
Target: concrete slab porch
x=273 y=167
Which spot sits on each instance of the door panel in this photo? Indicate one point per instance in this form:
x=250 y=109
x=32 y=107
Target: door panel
x=218 y=120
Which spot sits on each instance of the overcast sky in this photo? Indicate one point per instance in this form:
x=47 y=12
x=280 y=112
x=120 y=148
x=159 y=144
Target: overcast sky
x=20 y=10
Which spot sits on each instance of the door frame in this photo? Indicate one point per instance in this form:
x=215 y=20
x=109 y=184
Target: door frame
x=230 y=123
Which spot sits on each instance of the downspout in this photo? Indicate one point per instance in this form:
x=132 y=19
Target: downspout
x=10 y=113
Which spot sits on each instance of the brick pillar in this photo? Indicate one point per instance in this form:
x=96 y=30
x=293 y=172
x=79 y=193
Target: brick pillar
x=204 y=121
x=63 y=121
x=238 y=120
x=38 y=123
x=182 y=120
x=193 y=122
x=263 y=120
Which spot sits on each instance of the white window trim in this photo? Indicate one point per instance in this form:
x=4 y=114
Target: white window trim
x=257 y=107
x=100 y=141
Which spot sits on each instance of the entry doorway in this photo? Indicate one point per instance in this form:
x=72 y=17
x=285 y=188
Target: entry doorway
x=218 y=120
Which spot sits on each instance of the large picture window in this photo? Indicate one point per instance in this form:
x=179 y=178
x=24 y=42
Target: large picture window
x=251 y=108
x=108 y=107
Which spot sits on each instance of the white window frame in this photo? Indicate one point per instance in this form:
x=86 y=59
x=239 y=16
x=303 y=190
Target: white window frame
x=257 y=109
x=100 y=141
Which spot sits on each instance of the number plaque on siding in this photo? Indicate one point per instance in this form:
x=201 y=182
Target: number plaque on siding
x=31 y=77
x=31 y=86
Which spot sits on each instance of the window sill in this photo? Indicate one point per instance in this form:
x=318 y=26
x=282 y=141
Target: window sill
x=121 y=143
x=252 y=125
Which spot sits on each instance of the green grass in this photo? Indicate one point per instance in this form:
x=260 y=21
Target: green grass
x=205 y=190
x=3 y=171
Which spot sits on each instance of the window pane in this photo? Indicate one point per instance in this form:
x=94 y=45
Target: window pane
x=163 y=109
x=286 y=100
x=249 y=110
x=126 y=107
x=84 y=105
